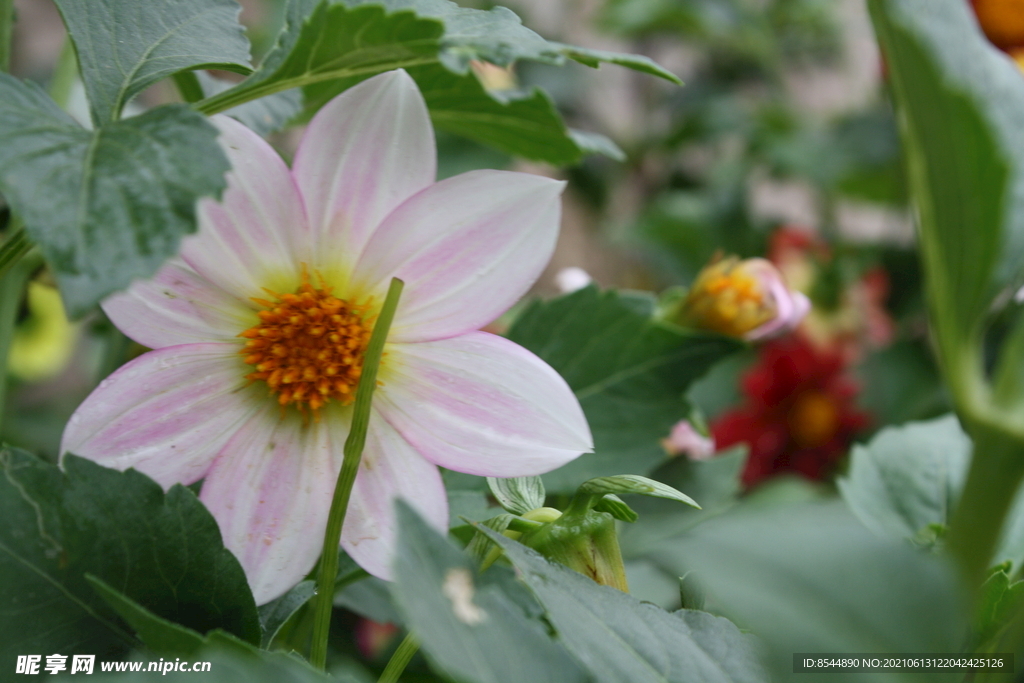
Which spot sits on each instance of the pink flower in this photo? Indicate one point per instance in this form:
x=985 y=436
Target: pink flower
x=259 y=328
x=685 y=440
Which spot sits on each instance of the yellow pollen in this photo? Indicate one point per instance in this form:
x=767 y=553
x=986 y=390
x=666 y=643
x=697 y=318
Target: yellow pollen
x=727 y=298
x=308 y=346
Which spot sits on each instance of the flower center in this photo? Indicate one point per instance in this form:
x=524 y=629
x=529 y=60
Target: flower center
x=308 y=347
x=813 y=419
x=729 y=299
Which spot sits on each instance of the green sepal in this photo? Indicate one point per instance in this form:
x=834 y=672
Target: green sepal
x=586 y=543
x=617 y=508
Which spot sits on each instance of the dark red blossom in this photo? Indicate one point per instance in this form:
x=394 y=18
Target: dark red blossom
x=799 y=413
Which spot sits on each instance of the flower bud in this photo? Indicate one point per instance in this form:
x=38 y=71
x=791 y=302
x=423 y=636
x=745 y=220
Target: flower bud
x=585 y=542
x=743 y=298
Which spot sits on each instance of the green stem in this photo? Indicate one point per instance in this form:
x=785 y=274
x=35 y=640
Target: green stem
x=6 y=32
x=324 y=599
x=14 y=247
x=188 y=86
x=403 y=655
x=997 y=469
x=64 y=75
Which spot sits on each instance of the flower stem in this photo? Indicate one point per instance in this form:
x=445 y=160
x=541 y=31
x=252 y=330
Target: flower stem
x=396 y=665
x=324 y=599
x=997 y=469
x=6 y=32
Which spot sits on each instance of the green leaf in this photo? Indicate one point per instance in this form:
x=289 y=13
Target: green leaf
x=105 y=206
x=525 y=123
x=518 y=494
x=633 y=483
x=811 y=578
x=160 y=635
x=619 y=638
x=907 y=478
x=469 y=627
x=905 y=483
x=595 y=143
x=125 y=45
x=327 y=40
x=326 y=48
x=594 y=58
x=163 y=551
x=1000 y=601
x=628 y=371
x=323 y=41
x=266 y=115
x=274 y=614
x=961 y=110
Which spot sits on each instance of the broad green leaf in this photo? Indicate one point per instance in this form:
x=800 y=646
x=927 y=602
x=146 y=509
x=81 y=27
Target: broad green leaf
x=470 y=628
x=266 y=115
x=518 y=494
x=524 y=123
x=327 y=47
x=907 y=480
x=163 y=551
x=908 y=477
x=274 y=614
x=369 y=598
x=1001 y=599
x=332 y=39
x=619 y=638
x=961 y=112
x=323 y=41
x=811 y=578
x=628 y=371
x=105 y=206
x=161 y=636
x=633 y=483
x=125 y=45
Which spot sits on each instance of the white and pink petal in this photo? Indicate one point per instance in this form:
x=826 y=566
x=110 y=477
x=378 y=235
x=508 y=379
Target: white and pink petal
x=467 y=248
x=166 y=413
x=364 y=153
x=390 y=469
x=257 y=235
x=481 y=404
x=177 y=306
x=270 y=491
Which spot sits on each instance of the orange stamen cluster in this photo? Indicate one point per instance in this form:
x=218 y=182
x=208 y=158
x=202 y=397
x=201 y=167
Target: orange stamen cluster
x=728 y=297
x=308 y=346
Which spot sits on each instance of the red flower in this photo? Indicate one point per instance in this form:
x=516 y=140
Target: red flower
x=799 y=415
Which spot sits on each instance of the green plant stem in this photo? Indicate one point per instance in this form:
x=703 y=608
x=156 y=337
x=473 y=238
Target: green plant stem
x=64 y=74
x=997 y=469
x=14 y=247
x=188 y=86
x=6 y=33
x=403 y=655
x=325 y=581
